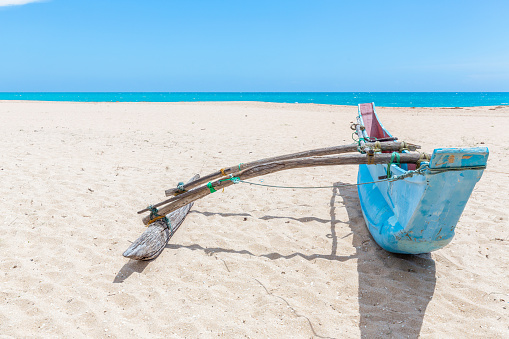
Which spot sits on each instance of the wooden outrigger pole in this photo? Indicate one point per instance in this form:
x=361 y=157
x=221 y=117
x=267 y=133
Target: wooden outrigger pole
x=393 y=146
x=368 y=148
x=153 y=240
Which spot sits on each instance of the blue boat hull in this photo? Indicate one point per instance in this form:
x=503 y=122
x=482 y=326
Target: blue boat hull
x=419 y=214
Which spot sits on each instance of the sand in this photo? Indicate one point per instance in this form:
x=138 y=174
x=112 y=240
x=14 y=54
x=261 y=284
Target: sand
x=251 y=262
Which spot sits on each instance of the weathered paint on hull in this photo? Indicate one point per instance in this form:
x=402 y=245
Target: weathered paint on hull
x=419 y=214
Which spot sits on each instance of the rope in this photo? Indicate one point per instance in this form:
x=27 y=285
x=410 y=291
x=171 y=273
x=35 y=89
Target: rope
x=403 y=147
x=395 y=178
x=358 y=141
x=395 y=159
x=155 y=219
x=233 y=179
x=154 y=216
x=222 y=172
x=211 y=188
x=447 y=169
x=371 y=158
x=407 y=174
x=180 y=188
x=423 y=157
x=377 y=147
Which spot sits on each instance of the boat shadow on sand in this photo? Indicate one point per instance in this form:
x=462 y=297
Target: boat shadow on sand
x=394 y=290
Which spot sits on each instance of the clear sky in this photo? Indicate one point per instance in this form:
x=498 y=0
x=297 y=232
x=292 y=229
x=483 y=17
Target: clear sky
x=254 y=45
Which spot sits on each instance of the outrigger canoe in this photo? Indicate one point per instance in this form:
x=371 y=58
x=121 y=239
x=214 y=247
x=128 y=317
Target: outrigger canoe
x=411 y=201
x=410 y=209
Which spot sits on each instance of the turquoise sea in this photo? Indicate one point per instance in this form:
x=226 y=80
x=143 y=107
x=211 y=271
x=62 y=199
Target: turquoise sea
x=390 y=99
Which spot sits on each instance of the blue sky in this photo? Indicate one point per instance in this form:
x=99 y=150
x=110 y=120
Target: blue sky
x=277 y=45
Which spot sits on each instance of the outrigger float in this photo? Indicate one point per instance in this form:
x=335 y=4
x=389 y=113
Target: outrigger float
x=411 y=201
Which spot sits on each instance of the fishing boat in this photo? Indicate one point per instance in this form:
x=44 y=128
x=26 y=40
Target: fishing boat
x=411 y=201
x=410 y=208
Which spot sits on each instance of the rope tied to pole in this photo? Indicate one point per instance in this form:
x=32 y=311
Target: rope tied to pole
x=211 y=188
x=395 y=159
x=377 y=147
x=180 y=188
x=154 y=216
x=358 y=141
x=423 y=157
x=403 y=147
x=371 y=158
x=233 y=179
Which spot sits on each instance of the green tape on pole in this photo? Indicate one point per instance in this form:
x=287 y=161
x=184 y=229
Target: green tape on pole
x=211 y=188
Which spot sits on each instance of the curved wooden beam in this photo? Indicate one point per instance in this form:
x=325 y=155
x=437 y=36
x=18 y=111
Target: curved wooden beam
x=390 y=146
x=272 y=167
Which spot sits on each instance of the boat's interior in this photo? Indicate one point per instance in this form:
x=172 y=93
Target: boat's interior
x=373 y=127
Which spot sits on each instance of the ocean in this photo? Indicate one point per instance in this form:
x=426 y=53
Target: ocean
x=388 y=99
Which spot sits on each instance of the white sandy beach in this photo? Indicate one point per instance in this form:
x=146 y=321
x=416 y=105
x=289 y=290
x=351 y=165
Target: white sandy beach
x=251 y=262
